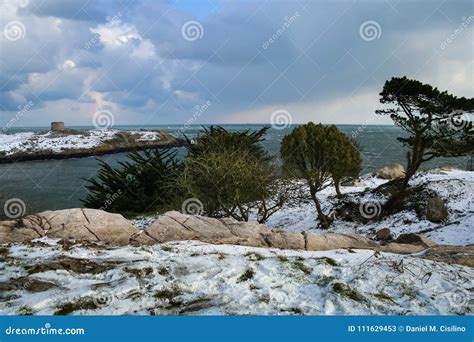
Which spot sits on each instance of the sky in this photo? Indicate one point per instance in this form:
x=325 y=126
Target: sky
x=230 y=61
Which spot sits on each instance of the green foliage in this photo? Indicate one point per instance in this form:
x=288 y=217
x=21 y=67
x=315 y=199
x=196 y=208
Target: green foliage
x=231 y=174
x=437 y=123
x=145 y=183
x=320 y=154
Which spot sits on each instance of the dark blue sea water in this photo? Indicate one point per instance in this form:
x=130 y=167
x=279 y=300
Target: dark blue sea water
x=57 y=184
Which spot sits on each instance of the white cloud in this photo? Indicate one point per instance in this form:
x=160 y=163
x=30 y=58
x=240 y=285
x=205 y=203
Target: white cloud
x=67 y=65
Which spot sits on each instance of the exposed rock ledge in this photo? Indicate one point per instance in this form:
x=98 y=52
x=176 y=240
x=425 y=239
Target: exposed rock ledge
x=91 y=225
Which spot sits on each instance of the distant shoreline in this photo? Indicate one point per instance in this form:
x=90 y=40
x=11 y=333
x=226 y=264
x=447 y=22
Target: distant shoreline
x=30 y=146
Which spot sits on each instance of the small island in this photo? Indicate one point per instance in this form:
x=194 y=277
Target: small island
x=64 y=143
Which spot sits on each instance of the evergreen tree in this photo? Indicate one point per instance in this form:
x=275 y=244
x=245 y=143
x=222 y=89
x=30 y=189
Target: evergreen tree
x=147 y=182
x=438 y=124
x=232 y=174
x=320 y=155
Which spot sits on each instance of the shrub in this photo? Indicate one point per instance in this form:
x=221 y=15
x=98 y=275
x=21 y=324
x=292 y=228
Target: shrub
x=347 y=163
x=146 y=183
x=319 y=154
x=232 y=174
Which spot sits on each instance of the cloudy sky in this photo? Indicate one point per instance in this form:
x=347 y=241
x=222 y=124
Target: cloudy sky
x=229 y=61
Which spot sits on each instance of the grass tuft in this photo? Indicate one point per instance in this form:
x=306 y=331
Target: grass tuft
x=246 y=276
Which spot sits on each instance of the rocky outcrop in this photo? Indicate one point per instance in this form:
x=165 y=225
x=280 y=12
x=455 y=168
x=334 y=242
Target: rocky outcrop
x=383 y=234
x=436 y=210
x=391 y=171
x=173 y=226
x=91 y=225
x=122 y=141
x=77 y=224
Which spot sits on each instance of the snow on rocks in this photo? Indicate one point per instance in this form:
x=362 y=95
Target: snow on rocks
x=194 y=278
x=78 y=143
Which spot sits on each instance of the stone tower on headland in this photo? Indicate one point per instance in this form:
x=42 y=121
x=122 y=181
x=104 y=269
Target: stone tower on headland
x=57 y=126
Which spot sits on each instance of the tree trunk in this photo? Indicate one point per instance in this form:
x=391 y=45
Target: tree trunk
x=337 y=187
x=323 y=219
x=414 y=161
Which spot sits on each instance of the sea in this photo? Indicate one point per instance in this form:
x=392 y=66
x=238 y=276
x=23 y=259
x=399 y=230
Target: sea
x=59 y=184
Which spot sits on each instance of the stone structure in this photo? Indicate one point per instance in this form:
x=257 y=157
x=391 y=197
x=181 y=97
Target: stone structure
x=57 y=126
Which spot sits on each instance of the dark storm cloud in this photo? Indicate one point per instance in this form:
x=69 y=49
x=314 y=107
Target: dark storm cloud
x=252 y=54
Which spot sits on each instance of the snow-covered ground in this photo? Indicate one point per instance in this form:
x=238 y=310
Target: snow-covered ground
x=456 y=187
x=49 y=141
x=193 y=278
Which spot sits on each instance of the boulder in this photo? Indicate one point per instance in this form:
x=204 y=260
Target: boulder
x=391 y=171
x=325 y=242
x=89 y=225
x=383 y=234
x=11 y=232
x=355 y=182
x=414 y=239
x=436 y=210
x=285 y=240
x=175 y=226
x=400 y=248
x=460 y=255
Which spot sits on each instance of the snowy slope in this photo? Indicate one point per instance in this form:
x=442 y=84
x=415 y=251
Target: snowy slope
x=195 y=278
x=455 y=187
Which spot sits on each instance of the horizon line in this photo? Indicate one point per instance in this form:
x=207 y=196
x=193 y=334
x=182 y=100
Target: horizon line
x=206 y=124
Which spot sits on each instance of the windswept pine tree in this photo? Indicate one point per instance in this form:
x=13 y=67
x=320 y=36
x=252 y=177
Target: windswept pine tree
x=438 y=124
